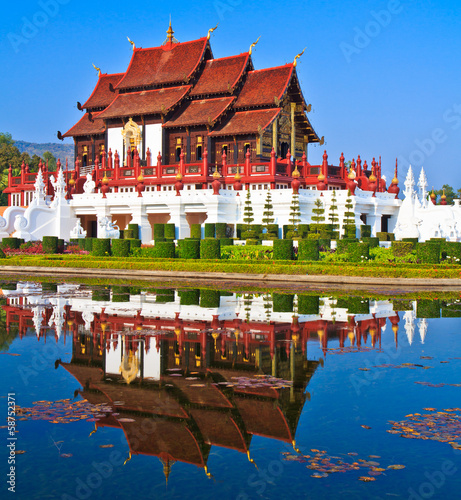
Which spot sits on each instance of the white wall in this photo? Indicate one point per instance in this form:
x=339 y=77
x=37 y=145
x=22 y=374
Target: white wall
x=154 y=140
x=115 y=141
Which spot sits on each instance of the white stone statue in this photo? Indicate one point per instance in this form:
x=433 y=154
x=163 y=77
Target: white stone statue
x=78 y=231
x=89 y=185
x=107 y=229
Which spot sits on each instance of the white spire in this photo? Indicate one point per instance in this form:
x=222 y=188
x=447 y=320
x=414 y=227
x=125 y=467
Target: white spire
x=409 y=325
x=38 y=319
x=409 y=183
x=40 y=194
x=422 y=184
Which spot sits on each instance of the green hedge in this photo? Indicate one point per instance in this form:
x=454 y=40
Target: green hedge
x=170 y=231
x=221 y=229
x=102 y=295
x=429 y=252
x=324 y=242
x=372 y=241
x=382 y=236
x=412 y=240
x=210 y=249
x=87 y=244
x=50 y=244
x=12 y=243
x=365 y=231
x=308 y=304
x=49 y=287
x=402 y=248
x=226 y=242
x=451 y=250
x=135 y=229
x=350 y=231
x=282 y=302
x=120 y=293
x=358 y=252
x=134 y=243
x=159 y=231
x=164 y=295
x=308 y=250
x=426 y=308
x=209 y=298
x=101 y=247
x=283 y=250
x=189 y=249
x=210 y=229
x=343 y=245
x=402 y=305
x=60 y=245
x=165 y=250
x=128 y=234
x=196 y=231
x=451 y=310
x=358 y=305
x=2 y=255
x=121 y=248
x=189 y=297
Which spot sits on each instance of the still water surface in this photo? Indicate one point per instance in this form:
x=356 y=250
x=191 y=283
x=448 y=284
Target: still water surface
x=159 y=393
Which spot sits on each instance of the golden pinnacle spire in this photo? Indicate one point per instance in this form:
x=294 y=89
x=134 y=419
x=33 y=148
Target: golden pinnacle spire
x=97 y=69
x=211 y=31
x=250 y=51
x=295 y=62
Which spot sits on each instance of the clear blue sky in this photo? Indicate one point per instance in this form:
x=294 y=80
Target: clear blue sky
x=383 y=77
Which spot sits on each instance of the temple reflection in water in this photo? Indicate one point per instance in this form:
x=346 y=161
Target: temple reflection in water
x=192 y=369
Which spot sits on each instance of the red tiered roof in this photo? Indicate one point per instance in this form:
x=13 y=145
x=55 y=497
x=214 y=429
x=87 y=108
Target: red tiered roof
x=146 y=102
x=203 y=112
x=262 y=86
x=221 y=75
x=161 y=65
x=247 y=122
x=102 y=96
x=87 y=127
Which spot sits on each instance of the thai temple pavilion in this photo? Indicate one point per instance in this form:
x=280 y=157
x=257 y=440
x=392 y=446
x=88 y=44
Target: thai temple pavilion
x=178 y=99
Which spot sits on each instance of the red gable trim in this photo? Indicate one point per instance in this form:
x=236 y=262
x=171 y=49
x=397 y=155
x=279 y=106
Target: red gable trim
x=158 y=66
x=262 y=86
x=221 y=75
x=246 y=122
x=204 y=112
x=101 y=95
x=86 y=127
x=147 y=102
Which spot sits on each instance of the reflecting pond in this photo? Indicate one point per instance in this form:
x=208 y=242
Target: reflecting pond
x=127 y=392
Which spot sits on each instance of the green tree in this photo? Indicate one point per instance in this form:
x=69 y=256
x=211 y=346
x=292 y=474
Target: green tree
x=48 y=157
x=295 y=215
x=248 y=217
x=268 y=213
x=349 y=217
x=449 y=193
x=318 y=215
x=333 y=214
x=6 y=139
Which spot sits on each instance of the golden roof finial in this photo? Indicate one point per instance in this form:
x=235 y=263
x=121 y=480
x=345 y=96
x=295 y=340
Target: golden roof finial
x=295 y=62
x=132 y=43
x=170 y=32
x=97 y=69
x=250 y=459
x=128 y=459
x=211 y=31
x=250 y=51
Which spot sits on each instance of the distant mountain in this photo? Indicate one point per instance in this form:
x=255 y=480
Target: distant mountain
x=58 y=150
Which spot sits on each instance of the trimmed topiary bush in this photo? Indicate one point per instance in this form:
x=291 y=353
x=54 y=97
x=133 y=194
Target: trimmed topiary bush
x=60 y=245
x=283 y=250
x=121 y=248
x=135 y=229
x=159 y=231
x=101 y=247
x=49 y=287
x=134 y=243
x=210 y=249
x=402 y=248
x=382 y=236
x=120 y=293
x=372 y=241
x=210 y=229
x=358 y=305
x=412 y=240
x=165 y=250
x=221 y=228
x=128 y=234
x=209 y=298
x=2 y=255
x=358 y=252
x=164 y=295
x=343 y=245
x=12 y=243
x=50 y=244
x=101 y=294
x=196 y=231
x=226 y=242
x=189 y=249
x=308 y=304
x=252 y=241
x=428 y=253
x=308 y=250
x=451 y=250
x=189 y=297
x=365 y=231
x=402 y=305
x=282 y=302
x=426 y=308
x=324 y=243
x=170 y=231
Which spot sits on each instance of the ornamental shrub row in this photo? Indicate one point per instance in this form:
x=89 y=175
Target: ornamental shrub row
x=428 y=252
x=308 y=250
x=210 y=249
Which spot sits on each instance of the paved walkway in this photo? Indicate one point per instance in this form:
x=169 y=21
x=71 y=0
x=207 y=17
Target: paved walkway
x=278 y=280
